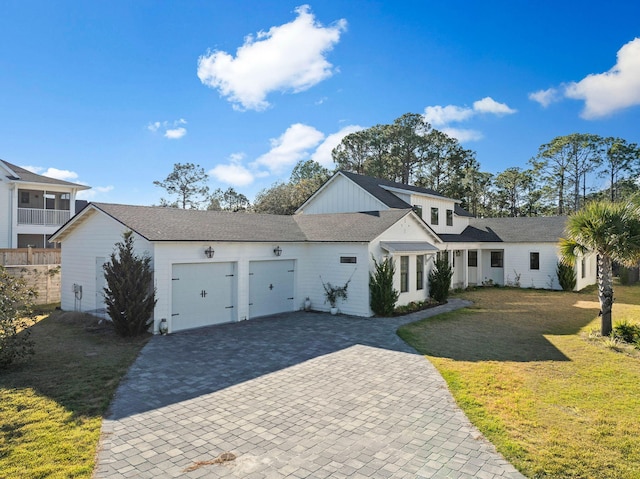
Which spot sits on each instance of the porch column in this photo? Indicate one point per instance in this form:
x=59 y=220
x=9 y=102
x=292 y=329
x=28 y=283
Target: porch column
x=465 y=259
x=479 y=273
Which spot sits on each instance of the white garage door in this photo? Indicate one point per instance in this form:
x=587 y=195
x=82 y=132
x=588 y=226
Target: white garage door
x=270 y=287
x=202 y=295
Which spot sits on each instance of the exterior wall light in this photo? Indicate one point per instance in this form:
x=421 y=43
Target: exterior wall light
x=209 y=252
x=277 y=251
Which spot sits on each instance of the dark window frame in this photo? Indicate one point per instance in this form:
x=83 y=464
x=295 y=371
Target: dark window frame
x=534 y=260
x=404 y=274
x=348 y=259
x=497 y=259
x=449 y=217
x=472 y=259
x=435 y=213
x=419 y=272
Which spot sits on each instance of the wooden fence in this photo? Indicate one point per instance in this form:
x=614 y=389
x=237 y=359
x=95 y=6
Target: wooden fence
x=29 y=256
x=43 y=279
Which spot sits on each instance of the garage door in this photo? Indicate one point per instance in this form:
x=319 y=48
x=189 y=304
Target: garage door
x=270 y=287
x=202 y=295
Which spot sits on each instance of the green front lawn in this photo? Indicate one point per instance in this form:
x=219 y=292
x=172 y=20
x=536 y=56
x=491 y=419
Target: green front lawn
x=522 y=365
x=51 y=405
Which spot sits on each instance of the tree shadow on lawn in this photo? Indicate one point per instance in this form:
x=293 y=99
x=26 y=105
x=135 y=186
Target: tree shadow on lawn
x=503 y=325
x=76 y=364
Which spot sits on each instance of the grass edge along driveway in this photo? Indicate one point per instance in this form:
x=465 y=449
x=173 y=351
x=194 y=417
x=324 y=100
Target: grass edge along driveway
x=525 y=368
x=51 y=405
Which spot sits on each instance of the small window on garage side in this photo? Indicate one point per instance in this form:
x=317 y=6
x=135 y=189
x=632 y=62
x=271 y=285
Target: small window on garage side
x=434 y=216
x=348 y=259
x=404 y=274
x=420 y=272
x=583 y=267
x=534 y=260
x=472 y=259
x=496 y=259
x=449 y=217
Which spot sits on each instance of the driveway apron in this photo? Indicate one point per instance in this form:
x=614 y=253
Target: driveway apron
x=298 y=395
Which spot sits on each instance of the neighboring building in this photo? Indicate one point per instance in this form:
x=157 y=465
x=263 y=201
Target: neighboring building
x=33 y=206
x=214 y=267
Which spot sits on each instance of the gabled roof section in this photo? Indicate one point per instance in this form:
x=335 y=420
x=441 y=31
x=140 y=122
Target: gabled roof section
x=535 y=229
x=19 y=174
x=348 y=227
x=156 y=223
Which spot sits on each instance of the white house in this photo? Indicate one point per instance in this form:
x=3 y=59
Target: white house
x=33 y=206
x=214 y=267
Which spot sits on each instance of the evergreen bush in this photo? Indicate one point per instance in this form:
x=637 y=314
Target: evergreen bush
x=382 y=296
x=566 y=276
x=440 y=278
x=129 y=294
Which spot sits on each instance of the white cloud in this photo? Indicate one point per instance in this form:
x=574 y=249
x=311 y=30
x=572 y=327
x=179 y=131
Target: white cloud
x=545 y=97
x=289 y=57
x=462 y=134
x=292 y=146
x=441 y=117
x=612 y=91
x=64 y=175
x=171 y=129
x=175 y=133
x=322 y=154
x=489 y=105
x=233 y=173
x=93 y=192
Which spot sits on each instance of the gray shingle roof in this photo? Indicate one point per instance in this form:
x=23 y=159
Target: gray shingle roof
x=157 y=223
x=364 y=226
x=28 y=176
x=375 y=186
x=548 y=229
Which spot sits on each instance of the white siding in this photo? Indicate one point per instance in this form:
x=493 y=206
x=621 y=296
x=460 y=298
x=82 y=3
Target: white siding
x=444 y=204
x=407 y=229
x=169 y=253
x=516 y=262
x=590 y=271
x=5 y=215
x=93 y=238
x=342 y=195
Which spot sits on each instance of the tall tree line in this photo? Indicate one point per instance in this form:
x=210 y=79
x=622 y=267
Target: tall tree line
x=563 y=175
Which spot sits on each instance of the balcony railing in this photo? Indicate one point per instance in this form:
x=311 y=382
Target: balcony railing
x=36 y=216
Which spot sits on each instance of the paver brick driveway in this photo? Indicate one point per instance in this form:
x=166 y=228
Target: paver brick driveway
x=297 y=395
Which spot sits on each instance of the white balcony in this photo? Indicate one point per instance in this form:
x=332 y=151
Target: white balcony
x=37 y=216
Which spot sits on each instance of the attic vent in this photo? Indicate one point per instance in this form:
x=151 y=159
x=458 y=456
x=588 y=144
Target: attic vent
x=348 y=259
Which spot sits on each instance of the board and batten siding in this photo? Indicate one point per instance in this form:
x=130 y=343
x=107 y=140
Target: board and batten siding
x=343 y=196
x=407 y=229
x=444 y=204
x=241 y=254
x=516 y=262
x=93 y=238
x=6 y=204
x=321 y=262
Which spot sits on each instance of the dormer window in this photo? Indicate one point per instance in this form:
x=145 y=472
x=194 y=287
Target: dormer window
x=449 y=217
x=434 y=216
x=418 y=210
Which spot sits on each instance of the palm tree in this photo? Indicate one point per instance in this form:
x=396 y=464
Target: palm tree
x=610 y=230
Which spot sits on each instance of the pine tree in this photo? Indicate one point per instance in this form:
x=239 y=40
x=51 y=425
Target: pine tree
x=129 y=294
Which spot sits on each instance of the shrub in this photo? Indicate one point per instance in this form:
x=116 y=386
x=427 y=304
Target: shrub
x=16 y=316
x=440 y=278
x=382 y=296
x=129 y=294
x=627 y=332
x=566 y=276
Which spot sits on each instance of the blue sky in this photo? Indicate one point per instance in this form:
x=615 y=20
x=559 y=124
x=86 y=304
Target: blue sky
x=113 y=93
